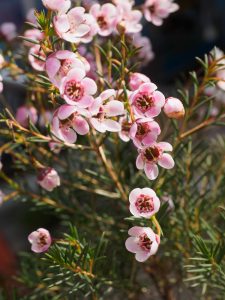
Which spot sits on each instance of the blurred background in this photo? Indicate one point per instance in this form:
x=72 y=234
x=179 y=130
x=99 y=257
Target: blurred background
x=194 y=30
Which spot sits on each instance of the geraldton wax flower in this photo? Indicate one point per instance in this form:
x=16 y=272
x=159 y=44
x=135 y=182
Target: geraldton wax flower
x=40 y=240
x=48 y=179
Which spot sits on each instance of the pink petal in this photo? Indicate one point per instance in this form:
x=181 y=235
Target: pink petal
x=159 y=99
x=134 y=211
x=52 y=66
x=147 y=88
x=149 y=192
x=149 y=139
x=165 y=146
x=134 y=194
x=81 y=126
x=132 y=244
x=136 y=231
x=94 y=108
x=99 y=126
x=114 y=108
x=112 y=126
x=82 y=30
x=140 y=162
x=69 y=135
x=61 y=23
x=133 y=130
x=142 y=256
x=151 y=171
x=166 y=161
x=65 y=111
x=76 y=74
x=153 y=111
x=107 y=94
x=89 y=86
x=85 y=101
x=154 y=248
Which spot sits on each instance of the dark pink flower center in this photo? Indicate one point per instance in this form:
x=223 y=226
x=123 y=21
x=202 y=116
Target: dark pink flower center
x=42 y=240
x=145 y=242
x=142 y=130
x=144 y=102
x=126 y=126
x=74 y=90
x=101 y=114
x=102 y=22
x=152 y=153
x=144 y=204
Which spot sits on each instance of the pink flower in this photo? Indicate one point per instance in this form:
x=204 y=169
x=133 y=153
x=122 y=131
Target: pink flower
x=1 y=84
x=33 y=34
x=48 y=179
x=91 y=22
x=59 y=63
x=77 y=89
x=143 y=242
x=150 y=156
x=174 y=108
x=103 y=108
x=136 y=80
x=40 y=240
x=72 y=26
x=145 y=53
x=60 y=6
x=157 y=10
x=144 y=132
x=126 y=124
x=8 y=30
x=67 y=122
x=143 y=203
x=129 y=19
x=146 y=101
x=26 y=113
x=106 y=17
x=37 y=63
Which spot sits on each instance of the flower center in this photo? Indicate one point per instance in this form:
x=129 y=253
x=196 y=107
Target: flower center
x=142 y=129
x=152 y=153
x=144 y=102
x=74 y=90
x=43 y=173
x=42 y=240
x=144 y=204
x=102 y=22
x=145 y=242
x=67 y=123
x=126 y=126
x=101 y=114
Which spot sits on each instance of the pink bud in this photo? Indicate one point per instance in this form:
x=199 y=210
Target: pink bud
x=137 y=79
x=48 y=179
x=40 y=240
x=24 y=113
x=174 y=108
x=8 y=30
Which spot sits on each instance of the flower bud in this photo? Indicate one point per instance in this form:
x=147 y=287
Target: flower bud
x=48 y=179
x=40 y=240
x=174 y=108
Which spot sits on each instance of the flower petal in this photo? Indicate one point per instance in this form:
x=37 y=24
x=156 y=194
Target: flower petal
x=151 y=171
x=81 y=125
x=132 y=244
x=114 y=108
x=112 y=125
x=166 y=161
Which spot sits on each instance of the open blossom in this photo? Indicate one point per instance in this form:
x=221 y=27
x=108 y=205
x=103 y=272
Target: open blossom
x=103 y=108
x=157 y=10
x=136 y=80
x=144 y=132
x=174 y=108
x=143 y=242
x=59 y=63
x=77 y=89
x=147 y=101
x=67 y=122
x=106 y=17
x=8 y=30
x=72 y=26
x=150 y=156
x=91 y=22
x=143 y=202
x=60 y=6
x=26 y=113
x=40 y=240
x=48 y=179
x=37 y=63
x=33 y=34
x=129 y=18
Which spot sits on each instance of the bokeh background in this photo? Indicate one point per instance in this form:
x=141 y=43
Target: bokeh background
x=194 y=30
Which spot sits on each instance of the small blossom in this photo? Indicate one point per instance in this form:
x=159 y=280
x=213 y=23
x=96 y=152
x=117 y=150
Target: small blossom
x=150 y=156
x=174 y=108
x=157 y=10
x=60 y=6
x=146 y=101
x=67 y=122
x=103 y=108
x=143 y=202
x=33 y=34
x=136 y=80
x=8 y=30
x=59 y=63
x=144 y=132
x=77 y=89
x=26 y=113
x=40 y=240
x=143 y=242
x=48 y=179
x=72 y=26
x=37 y=63
x=106 y=17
